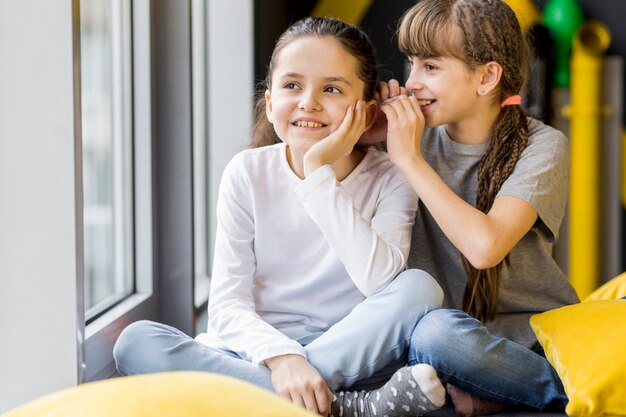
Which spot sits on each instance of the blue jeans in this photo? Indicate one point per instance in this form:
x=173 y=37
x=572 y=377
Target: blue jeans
x=367 y=346
x=464 y=354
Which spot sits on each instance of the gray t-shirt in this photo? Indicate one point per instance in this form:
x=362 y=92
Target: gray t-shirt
x=532 y=282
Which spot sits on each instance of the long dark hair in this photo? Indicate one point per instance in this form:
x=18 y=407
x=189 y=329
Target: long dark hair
x=477 y=32
x=351 y=38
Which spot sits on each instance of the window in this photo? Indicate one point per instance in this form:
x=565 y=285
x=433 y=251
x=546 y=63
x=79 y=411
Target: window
x=117 y=175
x=222 y=113
x=107 y=153
x=134 y=106
x=167 y=169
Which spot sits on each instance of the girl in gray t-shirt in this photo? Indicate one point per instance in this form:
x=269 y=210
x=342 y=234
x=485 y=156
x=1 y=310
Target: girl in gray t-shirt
x=492 y=185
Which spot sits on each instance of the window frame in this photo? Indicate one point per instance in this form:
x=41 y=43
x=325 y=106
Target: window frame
x=48 y=237
x=202 y=213
x=102 y=332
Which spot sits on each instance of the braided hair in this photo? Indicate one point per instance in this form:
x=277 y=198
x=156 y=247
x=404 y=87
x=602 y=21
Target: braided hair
x=477 y=32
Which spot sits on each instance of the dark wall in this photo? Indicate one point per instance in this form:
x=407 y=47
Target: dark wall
x=272 y=17
x=612 y=13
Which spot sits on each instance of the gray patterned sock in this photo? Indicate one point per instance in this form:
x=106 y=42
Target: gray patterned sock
x=402 y=395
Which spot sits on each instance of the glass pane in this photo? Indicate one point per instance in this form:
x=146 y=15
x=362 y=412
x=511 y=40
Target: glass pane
x=106 y=176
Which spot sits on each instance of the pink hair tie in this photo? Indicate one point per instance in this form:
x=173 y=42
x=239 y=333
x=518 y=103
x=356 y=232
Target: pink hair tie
x=511 y=101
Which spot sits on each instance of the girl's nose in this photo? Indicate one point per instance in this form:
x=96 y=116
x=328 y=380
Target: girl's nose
x=309 y=102
x=413 y=83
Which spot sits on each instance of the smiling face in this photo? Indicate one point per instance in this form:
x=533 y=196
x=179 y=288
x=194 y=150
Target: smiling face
x=467 y=56
x=313 y=81
x=446 y=90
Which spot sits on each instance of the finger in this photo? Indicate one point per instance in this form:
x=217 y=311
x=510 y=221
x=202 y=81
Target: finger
x=358 y=124
x=310 y=401
x=390 y=112
x=383 y=90
x=296 y=399
x=358 y=120
x=405 y=113
x=347 y=121
x=403 y=91
x=397 y=104
x=329 y=400
x=321 y=398
x=406 y=105
x=416 y=115
x=415 y=104
x=394 y=88
x=413 y=111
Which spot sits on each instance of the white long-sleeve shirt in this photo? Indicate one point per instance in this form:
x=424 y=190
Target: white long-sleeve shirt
x=293 y=257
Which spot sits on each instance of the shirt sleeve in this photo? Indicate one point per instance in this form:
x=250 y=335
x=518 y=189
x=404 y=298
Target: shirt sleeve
x=375 y=251
x=232 y=313
x=541 y=178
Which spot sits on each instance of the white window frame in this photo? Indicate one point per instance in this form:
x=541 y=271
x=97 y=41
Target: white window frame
x=201 y=191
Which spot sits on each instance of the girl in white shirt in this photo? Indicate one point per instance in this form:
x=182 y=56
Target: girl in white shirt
x=312 y=232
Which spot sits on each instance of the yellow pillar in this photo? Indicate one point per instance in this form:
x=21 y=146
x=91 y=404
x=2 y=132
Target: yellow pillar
x=351 y=11
x=526 y=12
x=586 y=112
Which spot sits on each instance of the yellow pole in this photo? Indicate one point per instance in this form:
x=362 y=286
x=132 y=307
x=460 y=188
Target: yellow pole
x=526 y=11
x=351 y=11
x=586 y=112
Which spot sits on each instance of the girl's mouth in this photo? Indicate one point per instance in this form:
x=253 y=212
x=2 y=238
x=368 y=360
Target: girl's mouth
x=304 y=123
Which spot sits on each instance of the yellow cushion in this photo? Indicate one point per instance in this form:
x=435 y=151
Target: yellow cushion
x=586 y=344
x=612 y=290
x=184 y=394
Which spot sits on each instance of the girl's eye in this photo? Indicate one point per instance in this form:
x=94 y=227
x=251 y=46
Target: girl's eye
x=331 y=89
x=430 y=67
x=291 y=86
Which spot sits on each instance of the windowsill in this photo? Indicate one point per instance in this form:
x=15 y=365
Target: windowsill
x=102 y=333
x=114 y=314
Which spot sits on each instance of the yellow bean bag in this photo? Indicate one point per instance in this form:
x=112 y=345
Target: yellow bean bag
x=612 y=290
x=586 y=345
x=180 y=394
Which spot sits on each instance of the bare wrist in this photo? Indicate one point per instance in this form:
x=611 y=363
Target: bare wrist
x=407 y=161
x=275 y=361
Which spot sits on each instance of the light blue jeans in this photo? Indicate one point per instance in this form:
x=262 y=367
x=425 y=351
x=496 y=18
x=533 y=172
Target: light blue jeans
x=361 y=351
x=464 y=354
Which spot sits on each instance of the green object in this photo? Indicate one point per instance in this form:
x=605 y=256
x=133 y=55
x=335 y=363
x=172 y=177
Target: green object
x=562 y=18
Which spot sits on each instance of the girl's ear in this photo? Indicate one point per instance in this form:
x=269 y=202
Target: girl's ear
x=268 y=105
x=371 y=114
x=491 y=73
